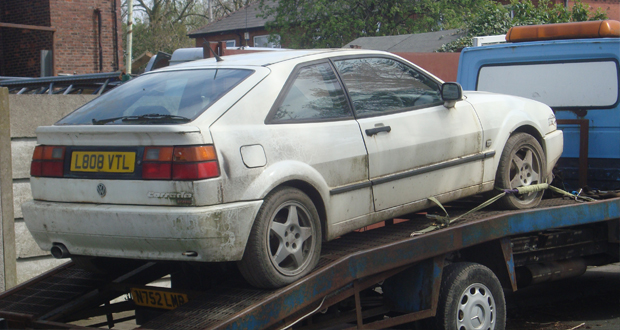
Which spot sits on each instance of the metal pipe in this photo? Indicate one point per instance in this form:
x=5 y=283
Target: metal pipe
x=98 y=13
x=550 y=271
x=129 y=35
x=60 y=251
x=115 y=34
x=584 y=132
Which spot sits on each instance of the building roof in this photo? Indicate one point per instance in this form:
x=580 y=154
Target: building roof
x=244 y=18
x=414 y=43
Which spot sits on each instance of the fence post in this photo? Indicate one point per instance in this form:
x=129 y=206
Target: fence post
x=8 y=271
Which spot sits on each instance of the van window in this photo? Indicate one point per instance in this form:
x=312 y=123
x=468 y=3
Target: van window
x=559 y=85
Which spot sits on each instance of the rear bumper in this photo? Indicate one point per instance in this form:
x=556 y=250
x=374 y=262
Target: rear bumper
x=554 y=145
x=215 y=233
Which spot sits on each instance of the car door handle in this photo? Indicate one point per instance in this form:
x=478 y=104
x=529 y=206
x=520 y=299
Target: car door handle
x=373 y=131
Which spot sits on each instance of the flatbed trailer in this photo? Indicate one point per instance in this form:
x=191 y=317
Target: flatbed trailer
x=370 y=279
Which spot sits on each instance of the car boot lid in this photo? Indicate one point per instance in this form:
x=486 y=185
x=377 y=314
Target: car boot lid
x=122 y=135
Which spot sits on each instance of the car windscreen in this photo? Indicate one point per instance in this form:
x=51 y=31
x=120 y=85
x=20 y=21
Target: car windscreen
x=159 y=98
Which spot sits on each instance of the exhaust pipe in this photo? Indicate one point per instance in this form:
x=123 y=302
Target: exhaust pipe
x=60 y=251
x=550 y=271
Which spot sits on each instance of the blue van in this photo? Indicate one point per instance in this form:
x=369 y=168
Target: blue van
x=578 y=78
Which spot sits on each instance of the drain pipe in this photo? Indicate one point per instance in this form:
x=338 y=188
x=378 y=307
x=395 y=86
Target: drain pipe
x=98 y=13
x=115 y=34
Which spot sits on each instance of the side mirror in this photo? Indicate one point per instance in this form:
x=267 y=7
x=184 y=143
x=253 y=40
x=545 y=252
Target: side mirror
x=451 y=92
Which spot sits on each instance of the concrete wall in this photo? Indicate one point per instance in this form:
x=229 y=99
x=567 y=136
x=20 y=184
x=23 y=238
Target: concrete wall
x=27 y=112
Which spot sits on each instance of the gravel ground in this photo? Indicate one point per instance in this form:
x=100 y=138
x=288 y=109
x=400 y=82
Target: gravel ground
x=591 y=301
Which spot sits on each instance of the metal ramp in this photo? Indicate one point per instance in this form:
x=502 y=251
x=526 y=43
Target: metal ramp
x=348 y=266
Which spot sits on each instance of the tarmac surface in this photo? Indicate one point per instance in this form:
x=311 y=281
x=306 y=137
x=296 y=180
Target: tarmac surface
x=590 y=301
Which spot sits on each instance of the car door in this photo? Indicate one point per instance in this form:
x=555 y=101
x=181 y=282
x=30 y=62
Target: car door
x=417 y=148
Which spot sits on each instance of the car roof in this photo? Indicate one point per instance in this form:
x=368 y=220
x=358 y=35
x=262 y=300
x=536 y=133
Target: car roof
x=266 y=58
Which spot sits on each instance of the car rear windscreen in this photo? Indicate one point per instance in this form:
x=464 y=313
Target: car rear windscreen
x=159 y=98
x=559 y=85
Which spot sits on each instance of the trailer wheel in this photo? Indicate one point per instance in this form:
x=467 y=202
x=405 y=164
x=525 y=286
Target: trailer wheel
x=522 y=163
x=470 y=297
x=285 y=242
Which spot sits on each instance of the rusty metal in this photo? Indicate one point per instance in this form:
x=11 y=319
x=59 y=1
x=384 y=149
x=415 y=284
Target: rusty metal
x=561 y=253
x=345 y=318
x=103 y=294
x=584 y=137
x=506 y=246
x=551 y=271
x=439 y=263
x=394 y=249
x=358 y=306
x=105 y=310
x=358 y=257
x=392 y=321
x=107 y=323
x=613 y=231
x=557 y=270
x=340 y=295
x=56 y=325
x=29 y=283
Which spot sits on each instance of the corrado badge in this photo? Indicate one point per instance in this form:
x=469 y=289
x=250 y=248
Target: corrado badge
x=184 y=198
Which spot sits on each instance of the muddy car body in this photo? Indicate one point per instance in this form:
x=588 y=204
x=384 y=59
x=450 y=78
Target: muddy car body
x=260 y=157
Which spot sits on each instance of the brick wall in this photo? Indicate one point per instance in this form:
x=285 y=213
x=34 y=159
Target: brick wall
x=612 y=7
x=77 y=42
x=20 y=50
x=76 y=48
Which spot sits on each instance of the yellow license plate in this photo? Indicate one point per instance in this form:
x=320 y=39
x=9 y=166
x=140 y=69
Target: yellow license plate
x=103 y=161
x=158 y=299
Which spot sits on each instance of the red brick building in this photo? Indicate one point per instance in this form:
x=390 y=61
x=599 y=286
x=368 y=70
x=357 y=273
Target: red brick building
x=611 y=7
x=240 y=28
x=82 y=36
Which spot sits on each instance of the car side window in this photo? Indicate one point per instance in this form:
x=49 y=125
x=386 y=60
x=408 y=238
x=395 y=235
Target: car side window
x=314 y=95
x=382 y=85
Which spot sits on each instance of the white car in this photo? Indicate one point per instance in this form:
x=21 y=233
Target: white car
x=260 y=157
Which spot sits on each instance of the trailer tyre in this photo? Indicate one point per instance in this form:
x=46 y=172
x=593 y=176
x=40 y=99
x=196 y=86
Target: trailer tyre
x=470 y=297
x=285 y=241
x=522 y=163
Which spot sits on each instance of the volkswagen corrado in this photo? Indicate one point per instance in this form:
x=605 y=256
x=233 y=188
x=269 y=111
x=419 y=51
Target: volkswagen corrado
x=259 y=158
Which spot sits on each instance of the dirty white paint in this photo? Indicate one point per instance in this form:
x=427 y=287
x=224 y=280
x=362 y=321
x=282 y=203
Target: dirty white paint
x=335 y=161
x=501 y=115
x=216 y=233
x=421 y=138
x=253 y=156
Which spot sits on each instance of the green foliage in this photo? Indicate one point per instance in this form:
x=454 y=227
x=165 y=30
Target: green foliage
x=493 y=18
x=333 y=23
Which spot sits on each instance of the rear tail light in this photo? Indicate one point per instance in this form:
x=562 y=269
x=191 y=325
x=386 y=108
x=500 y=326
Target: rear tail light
x=180 y=163
x=48 y=161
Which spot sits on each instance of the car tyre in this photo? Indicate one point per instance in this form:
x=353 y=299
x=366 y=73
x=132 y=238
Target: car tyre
x=522 y=163
x=471 y=297
x=285 y=241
